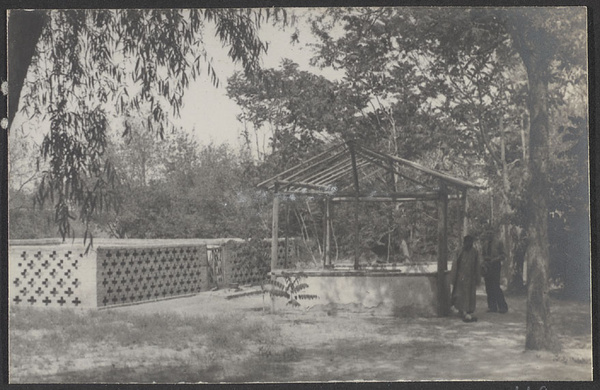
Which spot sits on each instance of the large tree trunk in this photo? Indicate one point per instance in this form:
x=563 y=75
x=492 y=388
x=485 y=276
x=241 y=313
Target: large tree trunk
x=24 y=30
x=536 y=48
x=539 y=330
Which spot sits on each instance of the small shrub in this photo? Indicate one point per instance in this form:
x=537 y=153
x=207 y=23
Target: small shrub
x=290 y=289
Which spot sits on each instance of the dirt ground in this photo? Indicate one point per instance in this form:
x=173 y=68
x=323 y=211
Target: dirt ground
x=337 y=344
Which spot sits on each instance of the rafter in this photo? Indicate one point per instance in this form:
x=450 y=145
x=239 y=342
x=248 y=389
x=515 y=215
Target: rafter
x=302 y=164
x=447 y=178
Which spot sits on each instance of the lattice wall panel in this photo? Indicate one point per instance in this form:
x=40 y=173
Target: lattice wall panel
x=129 y=275
x=240 y=263
x=47 y=278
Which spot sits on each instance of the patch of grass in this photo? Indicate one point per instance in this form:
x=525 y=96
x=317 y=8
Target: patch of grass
x=261 y=370
x=63 y=334
x=285 y=355
x=57 y=327
x=157 y=373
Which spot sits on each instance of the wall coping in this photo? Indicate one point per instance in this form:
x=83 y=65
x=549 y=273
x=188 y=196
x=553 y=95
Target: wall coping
x=153 y=246
x=327 y=272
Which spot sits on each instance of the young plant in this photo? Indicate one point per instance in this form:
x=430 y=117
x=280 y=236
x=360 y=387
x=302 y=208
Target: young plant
x=290 y=289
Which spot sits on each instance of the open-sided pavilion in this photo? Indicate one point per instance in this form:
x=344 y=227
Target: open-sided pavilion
x=350 y=172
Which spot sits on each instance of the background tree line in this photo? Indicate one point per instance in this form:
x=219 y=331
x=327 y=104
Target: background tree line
x=167 y=188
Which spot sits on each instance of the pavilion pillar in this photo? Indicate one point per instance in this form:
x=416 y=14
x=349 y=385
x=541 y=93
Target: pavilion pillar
x=327 y=233
x=356 y=235
x=275 y=230
x=351 y=146
x=287 y=234
x=464 y=217
x=390 y=216
x=443 y=298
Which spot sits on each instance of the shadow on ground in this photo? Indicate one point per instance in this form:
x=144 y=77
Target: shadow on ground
x=345 y=344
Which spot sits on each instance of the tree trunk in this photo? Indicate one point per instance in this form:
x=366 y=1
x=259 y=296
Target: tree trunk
x=540 y=334
x=536 y=49
x=24 y=30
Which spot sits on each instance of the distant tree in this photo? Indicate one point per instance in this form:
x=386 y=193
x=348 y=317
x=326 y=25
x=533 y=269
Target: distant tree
x=140 y=152
x=24 y=220
x=298 y=109
x=75 y=67
x=191 y=190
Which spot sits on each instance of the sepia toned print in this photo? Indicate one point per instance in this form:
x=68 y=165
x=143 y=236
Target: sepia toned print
x=298 y=195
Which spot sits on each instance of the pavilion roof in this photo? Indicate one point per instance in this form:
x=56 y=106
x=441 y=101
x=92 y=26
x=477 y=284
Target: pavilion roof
x=351 y=169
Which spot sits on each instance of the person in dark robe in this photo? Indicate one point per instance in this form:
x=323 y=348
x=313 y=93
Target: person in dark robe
x=465 y=278
x=493 y=255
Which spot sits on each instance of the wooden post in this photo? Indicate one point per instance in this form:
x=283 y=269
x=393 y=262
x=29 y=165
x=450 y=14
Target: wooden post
x=275 y=230
x=356 y=235
x=327 y=243
x=357 y=189
x=287 y=233
x=391 y=227
x=464 y=215
x=442 y=264
x=491 y=208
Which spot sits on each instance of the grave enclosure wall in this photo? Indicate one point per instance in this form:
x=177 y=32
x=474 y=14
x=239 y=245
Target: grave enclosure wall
x=137 y=274
x=51 y=277
x=61 y=275
x=247 y=263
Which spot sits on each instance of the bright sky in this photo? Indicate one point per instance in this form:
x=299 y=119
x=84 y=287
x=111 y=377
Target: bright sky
x=207 y=112
x=210 y=112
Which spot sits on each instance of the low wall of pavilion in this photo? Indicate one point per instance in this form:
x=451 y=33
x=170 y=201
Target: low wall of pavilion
x=395 y=292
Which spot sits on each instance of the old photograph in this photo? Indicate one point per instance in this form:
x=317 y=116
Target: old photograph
x=280 y=195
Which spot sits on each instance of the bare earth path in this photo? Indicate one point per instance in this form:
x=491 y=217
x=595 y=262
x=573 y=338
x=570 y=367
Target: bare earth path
x=322 y=344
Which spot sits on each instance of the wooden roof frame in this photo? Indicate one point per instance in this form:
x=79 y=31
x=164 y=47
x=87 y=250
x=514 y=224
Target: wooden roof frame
x=321 y=172
x=318 y=176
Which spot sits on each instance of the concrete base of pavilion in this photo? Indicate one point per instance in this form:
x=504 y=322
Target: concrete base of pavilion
x=391 y=292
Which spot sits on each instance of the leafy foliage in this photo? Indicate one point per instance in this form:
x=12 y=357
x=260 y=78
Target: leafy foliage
x=299 y=110
x=90 y=64
x=176 y=188
x=289 y=289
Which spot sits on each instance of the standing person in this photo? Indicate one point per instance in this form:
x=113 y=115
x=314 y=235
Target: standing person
x=493 y=255
x=465 y=270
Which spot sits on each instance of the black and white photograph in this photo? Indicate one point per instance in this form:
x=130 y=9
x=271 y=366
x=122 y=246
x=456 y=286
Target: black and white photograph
x=298 y=194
